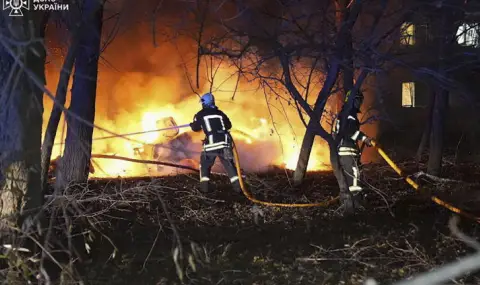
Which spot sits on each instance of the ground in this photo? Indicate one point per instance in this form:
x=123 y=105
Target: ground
x=225 y=239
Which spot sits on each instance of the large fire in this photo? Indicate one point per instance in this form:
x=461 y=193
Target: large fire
x=148 y=97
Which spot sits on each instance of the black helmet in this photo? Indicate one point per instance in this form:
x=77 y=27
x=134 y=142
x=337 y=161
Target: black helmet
x=357 y=101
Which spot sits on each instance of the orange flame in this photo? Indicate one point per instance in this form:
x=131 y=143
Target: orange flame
x=266 y=134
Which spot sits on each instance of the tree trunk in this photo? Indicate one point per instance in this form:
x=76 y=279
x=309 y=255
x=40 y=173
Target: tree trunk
x=446 y=31
x=438 y=132
x=75 y=164
x=428 y=129
x=344 y=22
x=309 y=136
x=304 y=156
x=22 y=70
x=56 y=114
x=347 y=68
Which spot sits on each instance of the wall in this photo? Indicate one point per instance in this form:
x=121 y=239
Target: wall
x=401 y=128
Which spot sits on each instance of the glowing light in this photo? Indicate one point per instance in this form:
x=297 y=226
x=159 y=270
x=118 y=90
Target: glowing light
x=149 y=123
x=263 y=142
x=314 y=162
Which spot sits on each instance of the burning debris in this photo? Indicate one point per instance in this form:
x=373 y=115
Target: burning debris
x=168 y=122
x=267 y=132
x=170 y=146
x=177 y=150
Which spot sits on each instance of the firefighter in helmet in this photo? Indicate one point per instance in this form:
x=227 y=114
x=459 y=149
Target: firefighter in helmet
x=217 y=143
x=347 y=128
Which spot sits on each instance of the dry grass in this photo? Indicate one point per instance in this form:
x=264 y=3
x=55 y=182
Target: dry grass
x=161 y=230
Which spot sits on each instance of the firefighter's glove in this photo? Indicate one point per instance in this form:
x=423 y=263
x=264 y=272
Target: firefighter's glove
x=368 y=142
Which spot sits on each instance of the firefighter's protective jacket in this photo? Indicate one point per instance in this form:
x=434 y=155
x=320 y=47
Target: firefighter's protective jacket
x=215 y=124
x=351 y=133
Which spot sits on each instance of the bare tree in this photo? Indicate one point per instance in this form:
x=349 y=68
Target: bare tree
x=22 y=55
x=60 y=97
x=445 y=23
x=449 y=271
x=443 y=59
x=301 y=42
x=427 y=129
x=344 y=20
x=75 y=164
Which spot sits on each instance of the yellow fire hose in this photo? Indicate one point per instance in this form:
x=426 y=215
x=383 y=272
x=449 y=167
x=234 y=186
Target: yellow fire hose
x=333 y=200
x=254 y=200
x=417 y=187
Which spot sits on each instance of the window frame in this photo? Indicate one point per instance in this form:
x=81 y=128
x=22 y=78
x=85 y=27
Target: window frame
x=468 y=35
x=405 y=86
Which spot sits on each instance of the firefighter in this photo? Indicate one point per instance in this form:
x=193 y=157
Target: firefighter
x=348 y=149
x=217 y=143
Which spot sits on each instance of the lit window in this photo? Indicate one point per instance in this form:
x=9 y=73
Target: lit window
x=408 y=94
x=467 y=35
x=407 y=34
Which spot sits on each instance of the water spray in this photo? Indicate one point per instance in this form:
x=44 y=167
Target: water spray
x=144 y=132
x=138 y=133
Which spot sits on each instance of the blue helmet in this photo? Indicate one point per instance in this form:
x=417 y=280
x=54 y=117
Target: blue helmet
x=207 y=100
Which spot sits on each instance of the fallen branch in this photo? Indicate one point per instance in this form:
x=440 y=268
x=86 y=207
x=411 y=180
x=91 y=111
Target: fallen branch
x=160 y=229
x=447 y=272
x=434 y=178
x=106 y=156
x=453 y=226
x=318 y=259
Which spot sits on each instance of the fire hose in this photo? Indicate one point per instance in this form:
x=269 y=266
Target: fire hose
x=417 y=187
x=250 y=197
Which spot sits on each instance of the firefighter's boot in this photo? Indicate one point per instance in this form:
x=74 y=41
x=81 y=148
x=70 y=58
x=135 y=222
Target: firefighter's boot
x=348 y=203
x=359 y=199
x=236 y=186
x=205 y=186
